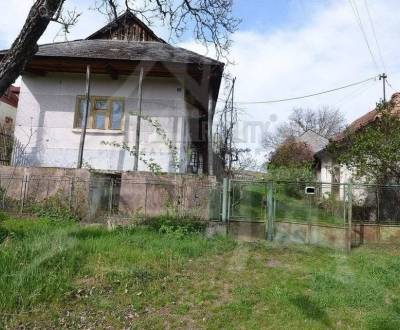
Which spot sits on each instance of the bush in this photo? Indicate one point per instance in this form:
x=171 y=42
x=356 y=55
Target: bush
x=178 y=225
x=3 y=234
x=3 y=216
x=53 y=208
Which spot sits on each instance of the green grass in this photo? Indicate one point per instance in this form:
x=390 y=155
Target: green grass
x=249 y=200
x=306 y=209
x=60 y=275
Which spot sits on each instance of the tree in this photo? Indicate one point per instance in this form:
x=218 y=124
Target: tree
x=372 y=152
x=325 y=121
x=210 y=20
x=291 y=154
x=291 y=161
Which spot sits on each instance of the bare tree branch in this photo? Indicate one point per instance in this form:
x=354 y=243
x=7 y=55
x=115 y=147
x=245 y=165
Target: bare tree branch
x=25 y=45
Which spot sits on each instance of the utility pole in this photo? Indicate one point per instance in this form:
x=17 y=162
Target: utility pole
x=383 y=77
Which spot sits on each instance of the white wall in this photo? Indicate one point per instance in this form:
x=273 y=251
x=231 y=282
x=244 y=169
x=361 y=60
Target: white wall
x=46 y=112
x=325 y=176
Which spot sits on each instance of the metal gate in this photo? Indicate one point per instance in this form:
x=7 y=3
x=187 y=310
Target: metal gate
x=251 y=202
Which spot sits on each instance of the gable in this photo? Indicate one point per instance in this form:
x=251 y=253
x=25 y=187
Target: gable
x=126 y=27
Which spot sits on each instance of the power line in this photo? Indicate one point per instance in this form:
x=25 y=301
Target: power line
x=390 y=85
x=353 y=94
x=310 y=95
x=374 y=33
x=360 y=24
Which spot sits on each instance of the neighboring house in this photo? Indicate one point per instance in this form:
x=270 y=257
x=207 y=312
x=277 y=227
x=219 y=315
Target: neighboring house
x=315 y=141
x=328 y=170
x=179 y=91
x=8 y=108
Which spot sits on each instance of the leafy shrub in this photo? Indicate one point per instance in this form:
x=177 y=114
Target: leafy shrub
x=179 y=226
x=3 y=234
x=3 y=216
x=53 y=208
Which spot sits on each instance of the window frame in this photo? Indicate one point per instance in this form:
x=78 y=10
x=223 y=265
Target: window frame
x=91 y=124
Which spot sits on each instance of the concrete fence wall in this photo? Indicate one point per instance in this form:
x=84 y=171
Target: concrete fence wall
x=94 y=195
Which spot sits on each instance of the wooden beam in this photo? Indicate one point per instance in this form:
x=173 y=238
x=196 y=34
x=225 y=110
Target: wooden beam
x=113 y=73
x=36 y=72
x=138 y=121
x=85 y=118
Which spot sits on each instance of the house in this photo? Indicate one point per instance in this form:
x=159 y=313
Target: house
x=128 y=73
x=8 y=108
x=328 y=170
x=314 y=141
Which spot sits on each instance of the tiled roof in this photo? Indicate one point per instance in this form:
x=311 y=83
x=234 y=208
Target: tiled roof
x=369 y=117
x=11 y=96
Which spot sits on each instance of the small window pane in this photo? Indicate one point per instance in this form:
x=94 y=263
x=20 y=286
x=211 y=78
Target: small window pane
x=101 y=105
x=100 y=120
x=82 y=105
x=116 y=114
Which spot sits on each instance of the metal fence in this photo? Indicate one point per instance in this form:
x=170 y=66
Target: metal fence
x=345 y=214
x=99 y=198
x=323 y=203
x=322 y=213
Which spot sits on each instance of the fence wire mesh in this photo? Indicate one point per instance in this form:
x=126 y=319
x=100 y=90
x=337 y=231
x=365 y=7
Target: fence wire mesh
x=315 y=203
x=99 y=198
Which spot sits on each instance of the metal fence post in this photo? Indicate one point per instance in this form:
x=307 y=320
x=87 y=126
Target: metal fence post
x=225 y=200
x=270 y=211
x=349 y=215
x=229 y=200
x=145 y=202
x=23 y=192
x=71 y=192
x=110 y=197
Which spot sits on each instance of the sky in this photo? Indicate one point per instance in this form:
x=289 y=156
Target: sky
x=283 y=49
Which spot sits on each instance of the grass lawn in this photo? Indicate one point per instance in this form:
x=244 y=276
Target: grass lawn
x=58 y=275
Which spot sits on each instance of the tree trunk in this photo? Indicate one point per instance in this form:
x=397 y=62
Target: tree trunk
x=25 y=46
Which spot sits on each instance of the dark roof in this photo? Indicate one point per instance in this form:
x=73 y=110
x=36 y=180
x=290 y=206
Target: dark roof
x=11 y=96
x=124 y=18
x=123 y=50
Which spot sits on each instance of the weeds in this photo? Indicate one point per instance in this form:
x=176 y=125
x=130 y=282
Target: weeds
x=56 y=274
x=54 y=208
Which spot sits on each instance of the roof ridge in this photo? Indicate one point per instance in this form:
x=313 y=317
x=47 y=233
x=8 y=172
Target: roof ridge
x=126 y=14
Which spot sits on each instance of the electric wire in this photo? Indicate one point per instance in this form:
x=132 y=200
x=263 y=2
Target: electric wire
x=371 y=21
x=308 y=95
x=360 y=24
x=390 y=85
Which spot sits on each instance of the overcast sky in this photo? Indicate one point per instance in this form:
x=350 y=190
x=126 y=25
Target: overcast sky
x=284 y=48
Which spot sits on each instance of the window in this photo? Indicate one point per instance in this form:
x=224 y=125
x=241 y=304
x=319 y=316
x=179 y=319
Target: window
x=105 y=113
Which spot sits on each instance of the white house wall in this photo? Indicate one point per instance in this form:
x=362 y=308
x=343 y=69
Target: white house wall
x=46 y=113
x=325 y=176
